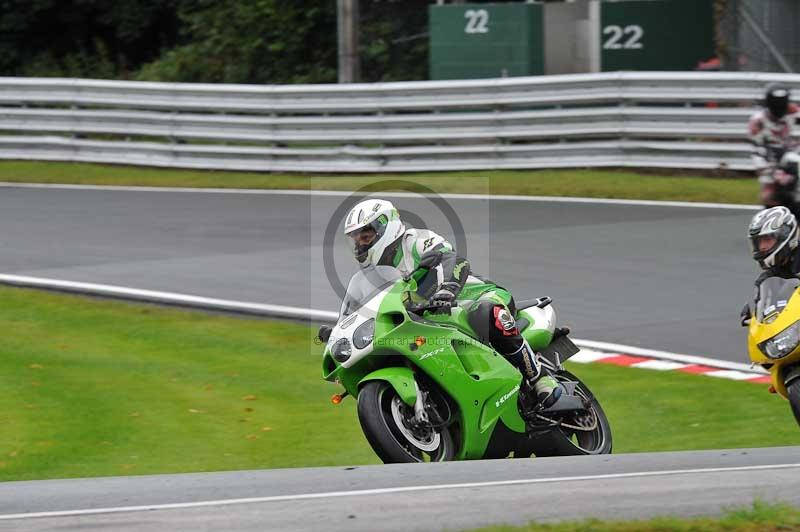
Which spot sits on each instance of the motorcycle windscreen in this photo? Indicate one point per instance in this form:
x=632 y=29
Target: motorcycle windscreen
x=774 y=294
x=365 y=285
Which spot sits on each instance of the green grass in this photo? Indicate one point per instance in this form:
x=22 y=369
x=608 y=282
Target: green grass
x=94 y=387
x=584 y=183
x=761 y=517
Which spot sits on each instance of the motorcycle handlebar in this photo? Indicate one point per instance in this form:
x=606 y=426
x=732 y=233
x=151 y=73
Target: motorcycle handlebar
x=429 y=305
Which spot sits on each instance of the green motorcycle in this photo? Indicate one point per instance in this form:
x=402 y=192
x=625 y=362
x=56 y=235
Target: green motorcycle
x=428 y=390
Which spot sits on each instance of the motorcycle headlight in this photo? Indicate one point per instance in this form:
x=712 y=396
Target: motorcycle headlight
x=341 y=350
x=782 y=343
x=364 y=334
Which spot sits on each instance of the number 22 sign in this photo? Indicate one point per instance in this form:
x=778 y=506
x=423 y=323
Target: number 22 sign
x=477 y=21
x=619 y=38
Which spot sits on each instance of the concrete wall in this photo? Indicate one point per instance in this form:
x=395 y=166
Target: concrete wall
x=570 y=37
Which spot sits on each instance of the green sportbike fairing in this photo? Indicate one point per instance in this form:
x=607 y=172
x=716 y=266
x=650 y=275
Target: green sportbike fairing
x=428 y=390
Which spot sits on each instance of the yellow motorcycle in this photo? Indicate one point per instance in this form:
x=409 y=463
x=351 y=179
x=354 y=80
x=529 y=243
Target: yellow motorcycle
x=774 y=336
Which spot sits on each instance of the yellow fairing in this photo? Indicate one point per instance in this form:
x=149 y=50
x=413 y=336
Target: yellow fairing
x=760 y=332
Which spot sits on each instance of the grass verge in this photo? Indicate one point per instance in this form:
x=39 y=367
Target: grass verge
x=761 y=517
x=622 y=184
x=95 y=388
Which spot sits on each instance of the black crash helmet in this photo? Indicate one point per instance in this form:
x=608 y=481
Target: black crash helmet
x=776 y=100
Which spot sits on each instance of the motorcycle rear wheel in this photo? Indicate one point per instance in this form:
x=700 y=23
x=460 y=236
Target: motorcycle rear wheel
x=563 y=441
x=793 y=393
x=387 y=423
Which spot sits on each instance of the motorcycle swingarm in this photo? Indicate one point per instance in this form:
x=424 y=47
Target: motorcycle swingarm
x=565 y=403
x=568 y=402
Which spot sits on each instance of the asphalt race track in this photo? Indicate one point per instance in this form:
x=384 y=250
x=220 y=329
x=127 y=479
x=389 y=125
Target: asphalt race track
x=452 y=496
x=659 y=277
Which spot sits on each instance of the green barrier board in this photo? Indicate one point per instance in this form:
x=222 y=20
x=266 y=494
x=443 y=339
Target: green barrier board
x=485 y=40
x=656 y=34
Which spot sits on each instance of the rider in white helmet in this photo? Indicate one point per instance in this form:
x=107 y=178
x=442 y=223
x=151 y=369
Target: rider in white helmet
x=381 y=239
x=774 y=237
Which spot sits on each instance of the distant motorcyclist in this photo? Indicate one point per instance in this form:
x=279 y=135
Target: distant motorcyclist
x=770 y=132
x=380 y=238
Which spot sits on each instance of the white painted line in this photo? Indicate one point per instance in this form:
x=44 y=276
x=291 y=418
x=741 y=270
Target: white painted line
x=383 y=491
x=340 y=193
x=591 y=350
x=674 y=357
x=585 y=356
x=168 y=298
x=730 y=374
x=664 y=365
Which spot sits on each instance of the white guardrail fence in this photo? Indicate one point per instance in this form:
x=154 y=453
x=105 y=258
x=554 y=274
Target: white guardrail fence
x=627 y=119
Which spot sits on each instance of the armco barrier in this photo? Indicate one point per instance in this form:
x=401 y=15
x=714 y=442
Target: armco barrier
x=627 y=119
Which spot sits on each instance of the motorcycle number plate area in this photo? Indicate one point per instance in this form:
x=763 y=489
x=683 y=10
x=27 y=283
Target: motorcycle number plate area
x=560 y=349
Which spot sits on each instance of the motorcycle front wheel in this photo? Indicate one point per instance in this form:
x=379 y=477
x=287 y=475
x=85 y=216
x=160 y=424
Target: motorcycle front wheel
x=581 y=433
x=390 y=428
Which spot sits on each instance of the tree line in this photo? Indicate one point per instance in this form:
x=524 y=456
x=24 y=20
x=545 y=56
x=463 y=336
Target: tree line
x=210 y=41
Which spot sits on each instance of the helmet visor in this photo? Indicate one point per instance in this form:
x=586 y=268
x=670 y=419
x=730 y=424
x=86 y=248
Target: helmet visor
x=763 y=245
x=778 y=103
x=365 y=237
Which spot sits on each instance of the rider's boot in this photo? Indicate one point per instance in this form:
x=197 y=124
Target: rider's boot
x=538 y=387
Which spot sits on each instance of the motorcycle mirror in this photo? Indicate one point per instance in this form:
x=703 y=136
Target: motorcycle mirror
x=744 y=315
x=324 y=333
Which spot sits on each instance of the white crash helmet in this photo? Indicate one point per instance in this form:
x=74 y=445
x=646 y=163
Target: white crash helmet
x=381 y=216
x=776 y=226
